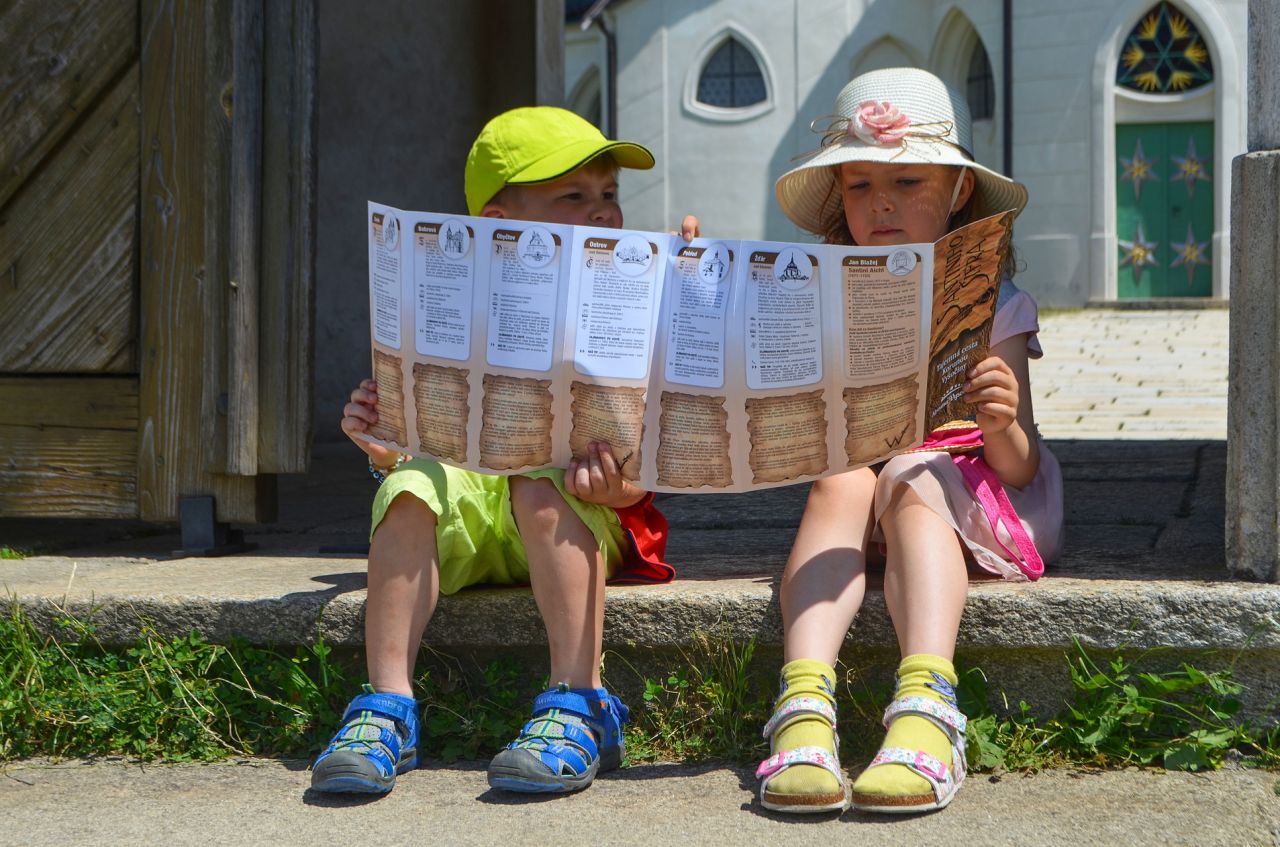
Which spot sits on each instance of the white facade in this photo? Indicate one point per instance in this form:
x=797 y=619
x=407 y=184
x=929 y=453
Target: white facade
x=721 y=164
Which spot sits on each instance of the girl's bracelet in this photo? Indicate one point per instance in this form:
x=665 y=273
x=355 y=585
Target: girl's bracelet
x=381 y=474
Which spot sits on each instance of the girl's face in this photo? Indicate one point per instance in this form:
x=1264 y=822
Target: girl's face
x=886 y=203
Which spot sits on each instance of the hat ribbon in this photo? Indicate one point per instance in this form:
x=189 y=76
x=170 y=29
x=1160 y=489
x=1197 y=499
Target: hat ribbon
x=881 y=125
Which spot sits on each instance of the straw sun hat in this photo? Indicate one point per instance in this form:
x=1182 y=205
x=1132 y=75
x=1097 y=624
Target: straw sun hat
x=899 y=115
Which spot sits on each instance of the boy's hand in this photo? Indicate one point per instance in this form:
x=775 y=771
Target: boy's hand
x=359 y=415
x=689 y=228
x=598 y=479
x=993 y=390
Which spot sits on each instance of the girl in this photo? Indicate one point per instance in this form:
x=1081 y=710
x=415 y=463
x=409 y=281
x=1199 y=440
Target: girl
x=896 y=168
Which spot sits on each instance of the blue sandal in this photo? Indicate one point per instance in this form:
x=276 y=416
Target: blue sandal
x=573 y=735
x=378 y=739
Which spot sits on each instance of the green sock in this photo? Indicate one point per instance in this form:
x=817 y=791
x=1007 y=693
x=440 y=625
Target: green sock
x=805 y=678
x=916 y=678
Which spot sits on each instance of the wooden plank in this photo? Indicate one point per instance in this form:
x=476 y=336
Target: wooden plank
x=287 y=355
x=68 y=296
x=69 y=447
x=173 y=91
x=246 y=208
x=217 y=228
x=58 y=59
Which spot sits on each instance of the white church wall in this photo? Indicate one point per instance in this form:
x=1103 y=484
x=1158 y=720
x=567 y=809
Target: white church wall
x=722 y=167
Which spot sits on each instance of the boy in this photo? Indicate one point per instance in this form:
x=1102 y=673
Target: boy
x=438 y=529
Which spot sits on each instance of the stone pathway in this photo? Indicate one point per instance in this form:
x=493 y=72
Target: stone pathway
x=1147 y=375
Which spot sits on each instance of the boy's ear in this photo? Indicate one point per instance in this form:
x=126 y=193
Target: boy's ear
x=493 y=210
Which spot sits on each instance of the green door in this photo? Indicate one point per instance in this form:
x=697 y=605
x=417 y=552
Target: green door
x=1164 y=210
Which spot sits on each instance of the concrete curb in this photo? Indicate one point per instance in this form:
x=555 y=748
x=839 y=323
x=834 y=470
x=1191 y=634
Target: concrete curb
x=305 y=598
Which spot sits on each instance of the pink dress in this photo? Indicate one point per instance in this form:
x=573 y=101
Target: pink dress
x=937 y=481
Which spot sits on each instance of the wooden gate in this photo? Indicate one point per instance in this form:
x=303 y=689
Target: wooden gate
x=156 y=254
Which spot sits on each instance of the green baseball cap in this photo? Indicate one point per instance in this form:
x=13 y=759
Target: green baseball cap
x=538 y=144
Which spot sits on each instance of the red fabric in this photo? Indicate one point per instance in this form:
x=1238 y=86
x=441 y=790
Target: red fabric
x=646 y=528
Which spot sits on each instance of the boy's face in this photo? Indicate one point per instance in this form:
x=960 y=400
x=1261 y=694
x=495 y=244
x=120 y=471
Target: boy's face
x=888 y=204
x=587 y=196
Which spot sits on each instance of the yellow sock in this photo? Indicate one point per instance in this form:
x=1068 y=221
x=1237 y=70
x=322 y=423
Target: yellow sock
x=920 y=675
x=805 y=678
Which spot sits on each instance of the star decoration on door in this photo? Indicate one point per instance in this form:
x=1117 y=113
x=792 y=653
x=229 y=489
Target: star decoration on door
x=1191 y=168
x=1138 y=253
x=1189 y=254
x=1137 y=168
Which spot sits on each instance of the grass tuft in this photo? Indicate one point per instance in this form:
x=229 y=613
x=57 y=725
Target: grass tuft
x=185 y=699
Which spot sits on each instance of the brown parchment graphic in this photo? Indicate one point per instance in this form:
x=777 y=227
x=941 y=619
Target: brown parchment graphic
x=515 y=429
x=440 y=396
x=879 y=418
x=788 y=436
x=611 y=414
x=693 y=441
x=390 y=379
x=966 y=283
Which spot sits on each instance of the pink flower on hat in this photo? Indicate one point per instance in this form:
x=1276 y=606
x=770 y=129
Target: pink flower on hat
x=879 y=123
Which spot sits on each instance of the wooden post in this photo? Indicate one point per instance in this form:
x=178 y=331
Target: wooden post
x=172 y=461
x=246 y=208
x=288 y=225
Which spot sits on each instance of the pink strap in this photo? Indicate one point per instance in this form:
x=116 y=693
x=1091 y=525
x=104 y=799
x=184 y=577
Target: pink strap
x=999 y=509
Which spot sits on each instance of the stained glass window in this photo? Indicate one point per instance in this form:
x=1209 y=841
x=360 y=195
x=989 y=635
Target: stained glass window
x=731 y=79
x=1164 y=54
x=980 y=85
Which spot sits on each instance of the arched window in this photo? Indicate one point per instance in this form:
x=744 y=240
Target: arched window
x=980 y=84
x=1164 y=54
x=731 y=78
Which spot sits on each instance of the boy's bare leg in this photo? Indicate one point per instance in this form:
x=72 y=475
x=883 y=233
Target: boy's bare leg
x=567 y=576
x=404 y=584
x=825 y=576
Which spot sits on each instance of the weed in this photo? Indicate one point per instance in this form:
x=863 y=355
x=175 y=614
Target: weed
x=7 y=552
x=466 y=720
x=185 y=699
x=1182 y=719
x=709 y=707
x=177 y=699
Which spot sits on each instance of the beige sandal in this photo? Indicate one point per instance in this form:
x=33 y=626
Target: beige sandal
x=780 y=761
x=945 y=780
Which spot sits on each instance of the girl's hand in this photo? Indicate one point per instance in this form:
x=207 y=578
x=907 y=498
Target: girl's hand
x=598 y=479
x=993 y=389
x=360 y=414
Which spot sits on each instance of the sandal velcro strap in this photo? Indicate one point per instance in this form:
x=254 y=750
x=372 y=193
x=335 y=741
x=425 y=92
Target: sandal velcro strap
x=800 y=756
x=797 y=706
x=401 y=709
x=929 y=767
x=948 y=719
x=574 y=750
x=383 y=748
x=577 y=704
x=546 y=731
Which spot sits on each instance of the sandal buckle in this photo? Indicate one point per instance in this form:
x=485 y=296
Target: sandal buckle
x=927 y=764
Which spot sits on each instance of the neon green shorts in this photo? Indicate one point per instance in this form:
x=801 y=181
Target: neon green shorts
x=476 y=533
